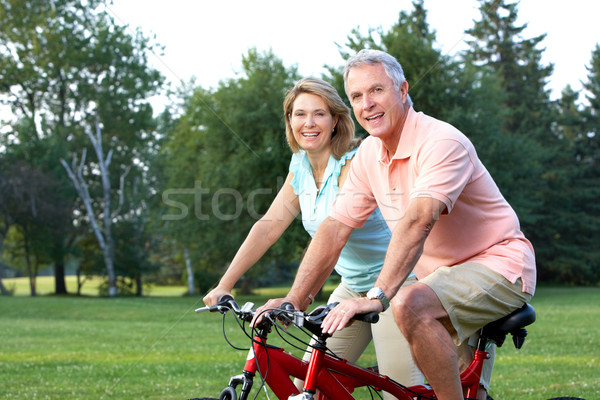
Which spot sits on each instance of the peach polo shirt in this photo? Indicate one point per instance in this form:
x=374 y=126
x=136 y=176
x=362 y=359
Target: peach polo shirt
x=434 y=159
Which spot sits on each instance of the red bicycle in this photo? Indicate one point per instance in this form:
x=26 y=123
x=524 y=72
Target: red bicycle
x=327 y=376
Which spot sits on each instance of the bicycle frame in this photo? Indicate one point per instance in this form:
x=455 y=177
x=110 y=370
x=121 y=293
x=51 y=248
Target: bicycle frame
x=335 y=378
x=331 y=377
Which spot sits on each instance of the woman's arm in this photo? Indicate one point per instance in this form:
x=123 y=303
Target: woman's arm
x=264 y=233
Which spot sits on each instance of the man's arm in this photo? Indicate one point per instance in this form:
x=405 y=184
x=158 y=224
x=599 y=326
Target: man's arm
x=404 y=250
x=408 y=240
x=316 y=266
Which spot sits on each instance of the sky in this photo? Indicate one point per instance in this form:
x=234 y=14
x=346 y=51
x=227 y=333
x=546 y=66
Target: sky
x=207 y=39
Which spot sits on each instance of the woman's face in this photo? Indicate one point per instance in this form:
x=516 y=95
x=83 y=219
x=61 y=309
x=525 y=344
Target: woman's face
x=312 y=122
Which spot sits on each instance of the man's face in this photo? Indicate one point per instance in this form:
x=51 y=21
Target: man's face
x=378 y=106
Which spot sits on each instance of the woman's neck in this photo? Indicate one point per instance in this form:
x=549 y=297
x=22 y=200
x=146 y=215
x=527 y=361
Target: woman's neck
x=318 y=164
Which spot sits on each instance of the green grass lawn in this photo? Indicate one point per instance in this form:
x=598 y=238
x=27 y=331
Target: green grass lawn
x=158 y=348
x=45 y=286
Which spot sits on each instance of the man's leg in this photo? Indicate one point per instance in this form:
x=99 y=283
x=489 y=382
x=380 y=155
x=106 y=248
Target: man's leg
x=394 y=357
x=470 y=294
x=426 y=326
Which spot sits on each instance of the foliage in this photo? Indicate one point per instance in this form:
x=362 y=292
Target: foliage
x=62 y=65
x=541 y=154
x=227 y=158
x=201 y=175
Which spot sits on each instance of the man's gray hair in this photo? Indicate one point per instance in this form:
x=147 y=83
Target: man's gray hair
x=391 y=66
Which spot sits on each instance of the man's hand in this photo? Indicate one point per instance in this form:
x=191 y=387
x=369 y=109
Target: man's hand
x=214 y=295
x=271 y=304
x=342 y=314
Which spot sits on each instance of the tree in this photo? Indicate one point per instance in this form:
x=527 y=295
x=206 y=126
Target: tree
x=227 y=158
x=108 y=213
x=434 y=79
x=30 y=203
x=497 y=44
x=60 y=60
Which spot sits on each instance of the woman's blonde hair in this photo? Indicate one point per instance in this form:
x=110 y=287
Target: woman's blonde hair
x=342 y=138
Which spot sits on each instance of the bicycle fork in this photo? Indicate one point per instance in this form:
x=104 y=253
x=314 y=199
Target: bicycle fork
x=246 y=378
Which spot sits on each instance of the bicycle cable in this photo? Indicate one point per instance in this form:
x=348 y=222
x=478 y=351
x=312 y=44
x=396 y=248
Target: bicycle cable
x=307 y=345
x=263 y=377
x=227 y=339
x=371 y=390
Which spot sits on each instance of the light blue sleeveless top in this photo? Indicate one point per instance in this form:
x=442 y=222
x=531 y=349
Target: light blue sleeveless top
x=362 y=258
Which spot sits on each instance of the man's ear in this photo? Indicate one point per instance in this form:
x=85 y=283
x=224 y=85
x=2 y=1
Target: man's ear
x=404 y=91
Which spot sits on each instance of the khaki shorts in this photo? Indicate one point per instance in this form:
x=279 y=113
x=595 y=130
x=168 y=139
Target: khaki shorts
x=473 y=295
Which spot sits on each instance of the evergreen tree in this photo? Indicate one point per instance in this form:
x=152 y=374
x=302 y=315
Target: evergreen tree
x=497 y=44
x=434 y=79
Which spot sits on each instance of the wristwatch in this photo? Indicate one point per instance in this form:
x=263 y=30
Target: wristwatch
x=377 y=293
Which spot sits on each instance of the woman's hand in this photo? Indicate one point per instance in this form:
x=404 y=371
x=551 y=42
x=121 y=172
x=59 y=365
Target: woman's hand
x=214 y=295
x=342 y=314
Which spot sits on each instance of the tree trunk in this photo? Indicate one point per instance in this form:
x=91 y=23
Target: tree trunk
x=246 y=288
x=3 y=290
x=79 y=282
x=104 y=236
x=190 y=272
x=110 y=269
x=139 y=286
x=30 y=272
x=60 y=286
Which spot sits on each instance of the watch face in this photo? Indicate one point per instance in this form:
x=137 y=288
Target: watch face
x=377 y=293
x=373 y=293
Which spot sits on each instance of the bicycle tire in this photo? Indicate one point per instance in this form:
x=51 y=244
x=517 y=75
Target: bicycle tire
x=228 y=393
x=566 y=398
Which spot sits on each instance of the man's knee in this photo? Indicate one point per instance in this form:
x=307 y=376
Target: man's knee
x=415 y=305
x=406 y=306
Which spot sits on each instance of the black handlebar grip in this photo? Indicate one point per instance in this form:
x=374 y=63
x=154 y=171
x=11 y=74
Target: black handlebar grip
x=370 y=317
x=225 y=298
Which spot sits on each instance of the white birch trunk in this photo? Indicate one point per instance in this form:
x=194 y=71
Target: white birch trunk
x=190 y=272
x=104 y=235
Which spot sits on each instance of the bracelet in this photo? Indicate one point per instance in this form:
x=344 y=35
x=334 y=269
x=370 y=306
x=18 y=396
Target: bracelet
x=311 y=298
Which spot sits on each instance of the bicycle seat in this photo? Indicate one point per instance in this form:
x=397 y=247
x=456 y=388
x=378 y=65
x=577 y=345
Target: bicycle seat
x=514 y=323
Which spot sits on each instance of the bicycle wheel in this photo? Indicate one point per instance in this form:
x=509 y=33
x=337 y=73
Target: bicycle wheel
x=566 y=398
x=228 y=394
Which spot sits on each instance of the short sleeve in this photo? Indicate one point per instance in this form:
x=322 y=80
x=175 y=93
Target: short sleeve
x=445 y=167
x=355 y=202
x=296 y=169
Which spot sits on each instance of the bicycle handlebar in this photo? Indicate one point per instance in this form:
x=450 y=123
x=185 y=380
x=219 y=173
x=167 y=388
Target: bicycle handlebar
x=286 y=313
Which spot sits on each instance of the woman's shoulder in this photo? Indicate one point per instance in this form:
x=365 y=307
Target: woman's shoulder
x=349 y=155
x=297 y=161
